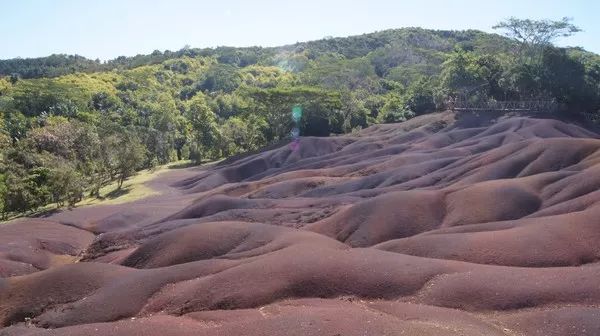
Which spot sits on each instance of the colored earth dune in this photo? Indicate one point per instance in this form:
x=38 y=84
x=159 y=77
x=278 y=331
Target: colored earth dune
x=442 y=225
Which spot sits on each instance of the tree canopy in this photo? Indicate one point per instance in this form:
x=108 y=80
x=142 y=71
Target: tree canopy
x=69 y=125
x=537 y=32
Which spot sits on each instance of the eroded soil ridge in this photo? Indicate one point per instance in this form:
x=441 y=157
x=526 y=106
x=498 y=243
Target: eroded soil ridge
x=437 y=226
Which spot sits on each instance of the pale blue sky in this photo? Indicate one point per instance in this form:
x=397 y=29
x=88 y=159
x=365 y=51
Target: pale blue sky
x=108 y=28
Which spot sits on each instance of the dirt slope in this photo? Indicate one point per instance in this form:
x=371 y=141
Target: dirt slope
x=442 y=225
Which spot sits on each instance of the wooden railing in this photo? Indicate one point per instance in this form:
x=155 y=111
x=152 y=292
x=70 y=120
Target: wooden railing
x=592 y=117
x=533 y=106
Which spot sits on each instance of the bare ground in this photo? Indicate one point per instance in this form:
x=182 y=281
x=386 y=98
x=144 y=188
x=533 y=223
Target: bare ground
x=441 y=225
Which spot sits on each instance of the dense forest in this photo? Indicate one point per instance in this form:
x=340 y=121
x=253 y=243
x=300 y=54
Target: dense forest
x=69 y=125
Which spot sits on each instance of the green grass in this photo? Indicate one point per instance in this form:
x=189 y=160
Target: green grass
x=133 y=189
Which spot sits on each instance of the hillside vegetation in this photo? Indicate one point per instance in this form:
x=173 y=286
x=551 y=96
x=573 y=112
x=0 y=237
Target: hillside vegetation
x=69 y=125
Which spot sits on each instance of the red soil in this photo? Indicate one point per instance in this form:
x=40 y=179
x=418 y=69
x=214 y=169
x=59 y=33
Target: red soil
x=442 y=225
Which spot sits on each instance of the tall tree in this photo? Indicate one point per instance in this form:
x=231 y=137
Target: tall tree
x=321 y=108
x=534 y=35
x=205 y=132
x=130 y=155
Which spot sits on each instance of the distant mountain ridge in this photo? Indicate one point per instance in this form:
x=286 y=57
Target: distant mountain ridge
x=350 y=47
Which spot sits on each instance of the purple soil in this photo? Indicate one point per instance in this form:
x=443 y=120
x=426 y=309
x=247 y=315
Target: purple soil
x=442 y=225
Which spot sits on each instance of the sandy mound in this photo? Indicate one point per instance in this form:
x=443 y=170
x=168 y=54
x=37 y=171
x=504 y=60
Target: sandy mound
x=442 y=225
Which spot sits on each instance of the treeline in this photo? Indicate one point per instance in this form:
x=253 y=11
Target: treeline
x=350 y=47
x=59 y=64
x=64 y=136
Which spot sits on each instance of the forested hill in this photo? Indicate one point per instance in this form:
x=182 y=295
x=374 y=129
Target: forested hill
x=349 y=47
x=68 y=125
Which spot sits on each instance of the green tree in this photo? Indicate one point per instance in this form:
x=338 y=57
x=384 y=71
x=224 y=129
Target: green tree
x=3 y=194
x=242 y=135
x=419 y=97
x=205 y=133
x=66 y=184
x=321 y=116
x=395 y=109
x=16 y=125
x=220 y=77
x=335 y=72
x=535 y=35
x=469 y=74
x=129 y=156
x=563 y=76
x=353 y=109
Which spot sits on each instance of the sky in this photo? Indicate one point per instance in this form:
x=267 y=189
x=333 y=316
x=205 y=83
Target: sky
x=106 y=29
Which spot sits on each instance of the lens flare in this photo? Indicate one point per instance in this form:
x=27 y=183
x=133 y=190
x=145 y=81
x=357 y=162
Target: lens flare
x=297 y=113
x=295 y=132
x=295 y=144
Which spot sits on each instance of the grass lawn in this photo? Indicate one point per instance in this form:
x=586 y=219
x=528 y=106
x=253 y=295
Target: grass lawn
x=133 y=189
